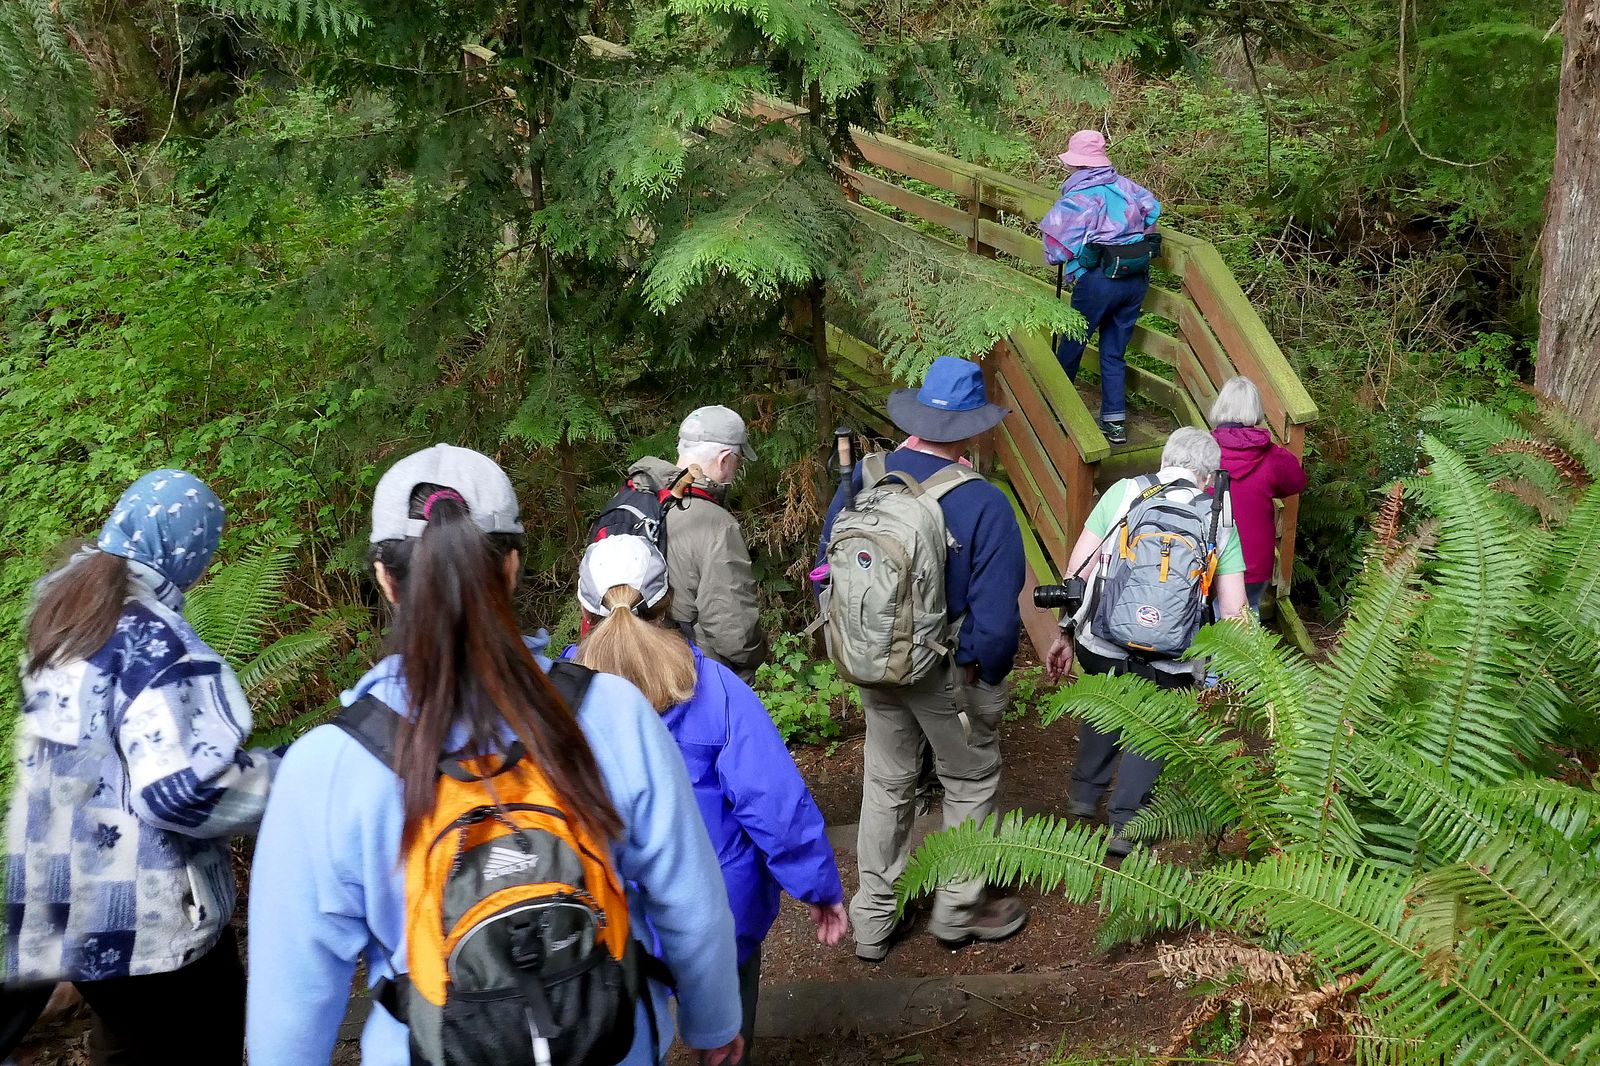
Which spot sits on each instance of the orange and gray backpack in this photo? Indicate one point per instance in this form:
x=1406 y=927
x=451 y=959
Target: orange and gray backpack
x=517 y=939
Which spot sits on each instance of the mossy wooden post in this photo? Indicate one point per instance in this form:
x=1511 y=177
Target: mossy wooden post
x=1290 y=518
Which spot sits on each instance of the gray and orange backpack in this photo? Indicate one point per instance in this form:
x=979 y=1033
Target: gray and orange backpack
x=518 y=947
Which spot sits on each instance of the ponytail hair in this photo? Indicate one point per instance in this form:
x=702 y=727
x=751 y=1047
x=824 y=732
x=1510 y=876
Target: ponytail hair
x=464 y=660
x=632 y=643
x=77 y=610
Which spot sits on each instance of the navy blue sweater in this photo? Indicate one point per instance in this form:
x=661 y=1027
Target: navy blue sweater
x=984 y=572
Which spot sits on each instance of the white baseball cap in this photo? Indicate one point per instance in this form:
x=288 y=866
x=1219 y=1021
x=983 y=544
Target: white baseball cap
x=620 y=560
x=478 y=479
x=716 y=425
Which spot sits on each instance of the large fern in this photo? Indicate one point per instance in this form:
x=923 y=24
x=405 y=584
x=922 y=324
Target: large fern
x=1399 y=831
x=236 y=611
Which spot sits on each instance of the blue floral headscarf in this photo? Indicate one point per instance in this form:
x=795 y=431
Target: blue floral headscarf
x=169 y=521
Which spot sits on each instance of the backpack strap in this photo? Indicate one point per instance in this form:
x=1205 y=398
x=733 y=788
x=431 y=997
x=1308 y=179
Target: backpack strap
x=948 y=479
x=873 y=469
x=376 y=726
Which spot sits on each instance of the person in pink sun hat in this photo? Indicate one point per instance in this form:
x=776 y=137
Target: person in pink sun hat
x=1101 y=235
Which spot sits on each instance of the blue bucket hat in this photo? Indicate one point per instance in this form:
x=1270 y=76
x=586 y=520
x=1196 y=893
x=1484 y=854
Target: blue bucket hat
x=952 y=404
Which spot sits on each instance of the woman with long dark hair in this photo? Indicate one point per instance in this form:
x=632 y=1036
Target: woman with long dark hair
x=130 y=780
x=328 y=888
x=766 y=828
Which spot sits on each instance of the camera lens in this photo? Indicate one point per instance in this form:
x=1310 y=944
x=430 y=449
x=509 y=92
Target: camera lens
x=1050 y=597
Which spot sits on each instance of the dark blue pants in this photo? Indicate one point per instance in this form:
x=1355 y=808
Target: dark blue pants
x=1098 y=756
x=1111 y=307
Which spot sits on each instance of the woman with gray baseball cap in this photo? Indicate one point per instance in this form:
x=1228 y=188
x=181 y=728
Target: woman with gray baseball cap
x=328 y=886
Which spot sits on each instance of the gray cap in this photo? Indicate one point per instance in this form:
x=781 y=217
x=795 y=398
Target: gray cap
x=620 y=560
x=716 y=425
x=482 y=484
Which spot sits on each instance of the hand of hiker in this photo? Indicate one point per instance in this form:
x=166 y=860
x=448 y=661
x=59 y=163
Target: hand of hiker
x=832 y=923
x=1058 y=662
x=972 y=674
x=732 y=1051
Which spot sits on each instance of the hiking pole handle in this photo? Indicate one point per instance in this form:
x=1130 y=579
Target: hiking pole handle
x=680 y=487
x=845 y=446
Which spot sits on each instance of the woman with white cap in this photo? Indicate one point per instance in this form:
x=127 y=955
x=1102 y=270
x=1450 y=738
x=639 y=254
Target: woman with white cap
x=1101 y=233
x=329 y=888
x=765 y=826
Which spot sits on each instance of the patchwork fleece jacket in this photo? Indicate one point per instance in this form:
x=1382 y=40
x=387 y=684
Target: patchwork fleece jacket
x=130 y=779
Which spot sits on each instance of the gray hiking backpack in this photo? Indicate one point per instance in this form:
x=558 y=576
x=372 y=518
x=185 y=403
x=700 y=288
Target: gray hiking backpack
x=885 y=613
x=1156 y=587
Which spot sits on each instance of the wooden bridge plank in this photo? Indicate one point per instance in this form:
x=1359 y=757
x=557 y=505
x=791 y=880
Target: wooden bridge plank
x=1035 y=354
x=1011 y=241
x=1041 y=473
x=1044 y=523
x=1246 y=338
x=902 y=157
x=1019 y=393
x=924 y=207
x=1041 y=625
x=1207 y=351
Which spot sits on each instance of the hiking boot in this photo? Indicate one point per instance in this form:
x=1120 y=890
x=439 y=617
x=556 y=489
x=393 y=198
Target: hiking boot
x=995 y=920
x=1079 y=809
x=1120 y=845
x=1116 y=432
x=880 y=951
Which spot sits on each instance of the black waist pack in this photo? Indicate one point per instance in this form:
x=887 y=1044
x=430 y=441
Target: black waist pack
x=1128 y=260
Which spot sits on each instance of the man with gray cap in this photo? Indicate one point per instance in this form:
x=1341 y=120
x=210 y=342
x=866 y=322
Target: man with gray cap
x=708 y=565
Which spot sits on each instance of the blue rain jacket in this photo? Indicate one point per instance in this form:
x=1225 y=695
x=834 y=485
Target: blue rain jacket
x=765 y=828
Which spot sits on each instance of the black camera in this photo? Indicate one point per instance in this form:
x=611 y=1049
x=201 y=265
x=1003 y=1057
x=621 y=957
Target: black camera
x=1066 y=597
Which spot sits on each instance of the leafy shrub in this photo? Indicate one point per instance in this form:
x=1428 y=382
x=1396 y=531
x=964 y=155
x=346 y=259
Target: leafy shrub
x=805 y=696
x=1401 y=826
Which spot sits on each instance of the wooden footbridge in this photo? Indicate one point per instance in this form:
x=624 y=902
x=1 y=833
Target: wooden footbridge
x=1198 y=330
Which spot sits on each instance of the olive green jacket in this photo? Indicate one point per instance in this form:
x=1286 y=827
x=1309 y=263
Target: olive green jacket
x=708 y=569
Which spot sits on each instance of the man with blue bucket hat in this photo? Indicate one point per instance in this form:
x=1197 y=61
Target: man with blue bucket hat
x=933 y=654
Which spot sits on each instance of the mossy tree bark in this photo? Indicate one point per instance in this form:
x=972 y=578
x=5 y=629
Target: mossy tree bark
x=1569 y=294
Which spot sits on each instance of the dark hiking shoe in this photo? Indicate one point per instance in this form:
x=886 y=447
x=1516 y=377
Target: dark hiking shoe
x=880 y=951
x=1116 y=432
x=995 y=920
x=1082 y=810
x=1119 y=847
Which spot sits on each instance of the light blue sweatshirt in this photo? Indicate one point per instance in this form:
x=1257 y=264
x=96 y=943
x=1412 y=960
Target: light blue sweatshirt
x=327 y=887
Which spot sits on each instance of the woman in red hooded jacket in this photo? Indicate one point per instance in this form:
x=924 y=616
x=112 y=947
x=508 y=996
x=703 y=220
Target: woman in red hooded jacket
x=1259 y=471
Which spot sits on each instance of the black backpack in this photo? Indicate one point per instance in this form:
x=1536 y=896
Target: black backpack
x=639 y=508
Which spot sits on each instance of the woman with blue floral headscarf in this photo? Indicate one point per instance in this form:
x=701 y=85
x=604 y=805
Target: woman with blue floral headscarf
x=130 y=778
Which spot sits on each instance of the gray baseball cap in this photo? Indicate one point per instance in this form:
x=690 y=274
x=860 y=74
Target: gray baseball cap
x=716 y=425
x=620 y=560
x=490 y=498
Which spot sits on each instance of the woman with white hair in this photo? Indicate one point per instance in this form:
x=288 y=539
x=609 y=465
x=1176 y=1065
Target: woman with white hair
x=1189 y=464
x=1259 y=472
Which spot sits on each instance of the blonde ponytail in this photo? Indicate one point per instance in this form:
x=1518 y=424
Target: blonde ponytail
x=657 y=660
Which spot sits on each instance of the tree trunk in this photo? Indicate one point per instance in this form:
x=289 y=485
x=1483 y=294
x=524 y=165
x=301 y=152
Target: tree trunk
x=1569 y=291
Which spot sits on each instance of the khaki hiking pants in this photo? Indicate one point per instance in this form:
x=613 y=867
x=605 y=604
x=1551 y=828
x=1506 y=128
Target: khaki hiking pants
x=962 y=726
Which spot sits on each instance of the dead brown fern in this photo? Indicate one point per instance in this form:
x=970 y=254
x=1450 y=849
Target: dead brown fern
x=1553 y=510
x=1309 y=1017
x=1566 y=464
x=1224 y=960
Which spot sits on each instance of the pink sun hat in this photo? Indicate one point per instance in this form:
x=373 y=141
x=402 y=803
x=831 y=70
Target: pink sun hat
x=1087 y=148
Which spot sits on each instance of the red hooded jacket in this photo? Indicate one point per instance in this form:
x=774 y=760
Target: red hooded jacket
x=1261 y=472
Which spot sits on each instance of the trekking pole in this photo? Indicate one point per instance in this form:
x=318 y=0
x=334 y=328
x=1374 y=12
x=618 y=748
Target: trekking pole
x=844 y=442
x=680 y=487
x=1061 y=274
